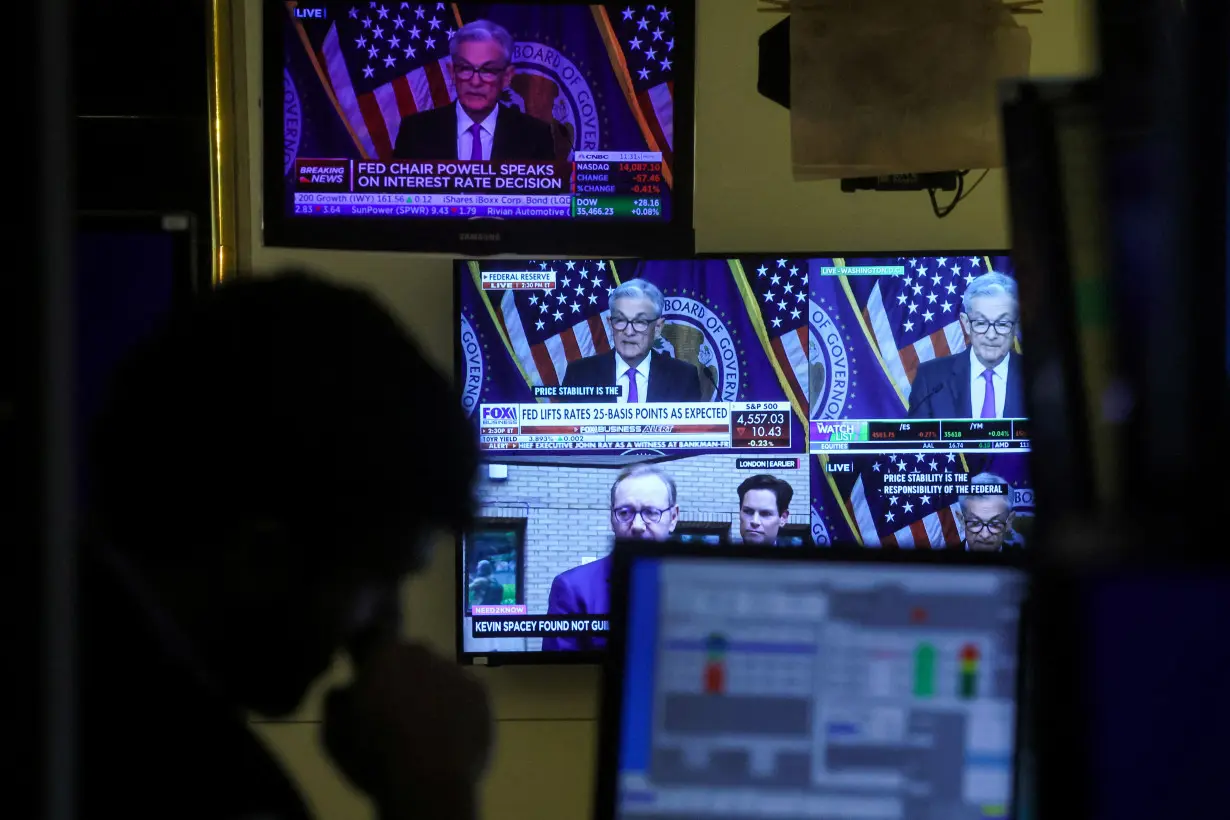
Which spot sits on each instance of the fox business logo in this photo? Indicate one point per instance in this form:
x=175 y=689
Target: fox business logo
x=828 y=365
x=498 y=415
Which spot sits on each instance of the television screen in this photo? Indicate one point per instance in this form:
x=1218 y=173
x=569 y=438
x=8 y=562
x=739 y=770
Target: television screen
x=763 y=399
x=917 y=414
x=481 y=128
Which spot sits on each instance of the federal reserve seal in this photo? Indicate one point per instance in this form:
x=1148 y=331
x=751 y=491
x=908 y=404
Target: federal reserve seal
x=549 y=86
x=819 y=532
x=829 y=366
x=472 y=362
x=695 y=333
x=292 y=122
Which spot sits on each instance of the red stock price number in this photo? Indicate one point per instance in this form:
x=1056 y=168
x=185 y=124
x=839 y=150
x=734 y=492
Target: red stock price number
x=752 y=429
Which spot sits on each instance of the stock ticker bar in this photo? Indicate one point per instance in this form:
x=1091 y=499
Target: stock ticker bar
x=618 y=427
x=596 y=184
x=919 y=434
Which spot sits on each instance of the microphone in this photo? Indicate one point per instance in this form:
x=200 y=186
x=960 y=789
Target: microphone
x=917 y=403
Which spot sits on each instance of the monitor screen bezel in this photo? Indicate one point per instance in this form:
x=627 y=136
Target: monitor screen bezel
x=460 y=269
x=479 y=238
x=626 y=553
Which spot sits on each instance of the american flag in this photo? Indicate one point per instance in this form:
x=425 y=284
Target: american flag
x=780 y=289
x=914 y=316
x=386 y=61
x=547 y=329
x=885 y=515
x=646 y=35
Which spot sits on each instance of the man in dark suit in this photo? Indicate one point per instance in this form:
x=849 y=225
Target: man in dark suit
x=984 y=382
x=199 y=607
x=764 y=508
x=643 y=505
x=477 y=127
x=987 y=514
x=642 y=374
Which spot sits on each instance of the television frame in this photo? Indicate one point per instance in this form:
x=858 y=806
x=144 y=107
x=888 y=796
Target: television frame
x=606 y=792
x=596 y=657
x=481 y=237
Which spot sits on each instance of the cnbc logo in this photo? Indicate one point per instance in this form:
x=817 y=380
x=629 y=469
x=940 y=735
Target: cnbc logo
x=498 y=415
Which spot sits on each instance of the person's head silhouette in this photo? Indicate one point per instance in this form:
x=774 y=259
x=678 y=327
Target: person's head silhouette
x=271 y=463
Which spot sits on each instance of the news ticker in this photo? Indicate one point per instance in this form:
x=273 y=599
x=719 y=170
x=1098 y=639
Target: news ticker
x=476 y=205
x=511 y=621
x=884 y=436
x=611 y=426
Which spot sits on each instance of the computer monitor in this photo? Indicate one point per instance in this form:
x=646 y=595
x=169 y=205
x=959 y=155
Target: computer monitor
x=763 y=684
x=539 y=126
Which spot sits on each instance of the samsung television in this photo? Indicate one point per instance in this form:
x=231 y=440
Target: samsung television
x=765 y=399
x=537 y=127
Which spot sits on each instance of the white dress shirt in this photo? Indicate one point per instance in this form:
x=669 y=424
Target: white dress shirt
x=642 y=379
x=978 y=385
x=465 y=140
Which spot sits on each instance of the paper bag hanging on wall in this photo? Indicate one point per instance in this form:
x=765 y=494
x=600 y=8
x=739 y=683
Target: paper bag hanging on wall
x=899 y=86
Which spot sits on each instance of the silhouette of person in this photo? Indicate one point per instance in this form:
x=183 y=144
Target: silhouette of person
x=250 y=474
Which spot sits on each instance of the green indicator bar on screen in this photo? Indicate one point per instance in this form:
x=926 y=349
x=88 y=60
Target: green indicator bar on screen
x=624 y=205
x=924 y=671
x=844 y=431
x=863 y=270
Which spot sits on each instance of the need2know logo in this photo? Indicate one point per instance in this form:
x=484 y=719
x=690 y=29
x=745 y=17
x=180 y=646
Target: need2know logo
x=498 y=414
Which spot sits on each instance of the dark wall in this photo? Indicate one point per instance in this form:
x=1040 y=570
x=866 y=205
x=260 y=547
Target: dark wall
x=141 y=101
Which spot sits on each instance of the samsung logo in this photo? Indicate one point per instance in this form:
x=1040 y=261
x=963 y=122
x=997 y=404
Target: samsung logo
x=480 y=237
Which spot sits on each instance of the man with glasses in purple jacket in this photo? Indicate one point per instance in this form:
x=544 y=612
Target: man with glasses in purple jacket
x=643 y=505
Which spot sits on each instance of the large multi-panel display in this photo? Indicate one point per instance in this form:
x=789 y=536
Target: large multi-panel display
x=766 y=399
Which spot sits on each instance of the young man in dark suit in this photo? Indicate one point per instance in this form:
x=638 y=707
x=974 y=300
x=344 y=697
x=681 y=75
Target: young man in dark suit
x=642 y=374
x=764 y=508
x=984 y=382
x=477 y=127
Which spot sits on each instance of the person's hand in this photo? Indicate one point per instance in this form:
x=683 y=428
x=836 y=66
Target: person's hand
x=413 y=731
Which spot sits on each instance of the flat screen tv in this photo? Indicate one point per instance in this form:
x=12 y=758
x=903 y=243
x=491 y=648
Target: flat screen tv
x=801 y=401
x=535 y=127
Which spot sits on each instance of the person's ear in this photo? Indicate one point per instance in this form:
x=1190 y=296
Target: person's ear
x=674 y=518
x=659 y=323
x=784 y=516
x=1010 y=519
x=964 y=318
